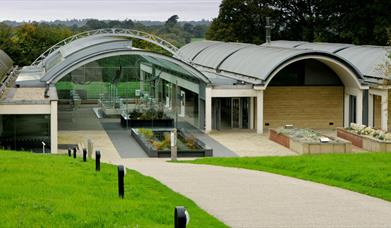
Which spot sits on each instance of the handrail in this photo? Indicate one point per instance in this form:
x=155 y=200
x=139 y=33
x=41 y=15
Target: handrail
x=111 y=31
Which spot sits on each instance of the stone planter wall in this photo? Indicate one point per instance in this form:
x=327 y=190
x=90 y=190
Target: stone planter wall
x=132 y=123
x=365 y=142
x=310 y=148
x=151 y=152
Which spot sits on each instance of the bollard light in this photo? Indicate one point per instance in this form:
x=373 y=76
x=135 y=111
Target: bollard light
x=84 y=155
x=74 y=152
x=181 y=217
x=97 y=160
x=121 y=175
x=69 y=152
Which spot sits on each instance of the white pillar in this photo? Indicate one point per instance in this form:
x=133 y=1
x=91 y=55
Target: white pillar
x=346 y=110
x=384 y=112
x=359 y=107
x=53 y=127
x=208 y=109
x=251 y=113
x=260 y=112
x=370 y=110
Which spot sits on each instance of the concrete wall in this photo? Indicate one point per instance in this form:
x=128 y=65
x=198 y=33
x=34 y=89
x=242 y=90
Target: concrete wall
x=304 y=106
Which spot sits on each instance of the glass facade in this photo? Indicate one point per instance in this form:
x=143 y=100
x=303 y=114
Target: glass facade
x=25 y=132
x=135 y=86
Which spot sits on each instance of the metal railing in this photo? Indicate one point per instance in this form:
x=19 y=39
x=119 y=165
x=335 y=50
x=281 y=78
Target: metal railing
x=114 y=32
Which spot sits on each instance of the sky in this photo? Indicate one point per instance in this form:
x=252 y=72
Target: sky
x=159 y=10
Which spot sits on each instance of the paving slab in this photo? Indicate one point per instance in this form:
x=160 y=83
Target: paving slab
x=250 y=144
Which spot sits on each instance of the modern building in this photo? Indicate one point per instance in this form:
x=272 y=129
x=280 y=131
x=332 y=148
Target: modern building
x=206 y=85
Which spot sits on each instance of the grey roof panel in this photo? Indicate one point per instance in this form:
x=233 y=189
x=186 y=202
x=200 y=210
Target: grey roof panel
x=326 y=47
x=258 y=61
x=190 y=51
x=284 y=43
x=368 y=59
x=5 y=64
x=214 y=55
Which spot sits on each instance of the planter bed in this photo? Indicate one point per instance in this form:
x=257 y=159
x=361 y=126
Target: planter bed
x=135 y=123
x=302 y=146
x=201 y=151
x=363 y=141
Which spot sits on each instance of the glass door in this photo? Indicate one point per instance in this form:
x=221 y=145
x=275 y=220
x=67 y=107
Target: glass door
x=236 y=113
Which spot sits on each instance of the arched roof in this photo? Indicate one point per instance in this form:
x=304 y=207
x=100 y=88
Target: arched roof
x=257 y=64
x=5 y=64
x=367 y=59
x=62 y=60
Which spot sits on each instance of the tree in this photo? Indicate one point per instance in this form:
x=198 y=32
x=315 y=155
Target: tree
x=241 y=20
x=28 y=41
x=355 y=21
x=187 y=27
x=172 y=21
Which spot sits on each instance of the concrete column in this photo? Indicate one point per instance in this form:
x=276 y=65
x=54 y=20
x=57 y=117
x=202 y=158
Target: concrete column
x=251 y=113
x=260 y=112
x=53 y=127
x=384 y=112
x=346 y=110
x=208 y=109
x=370 y=110
x=359 y=108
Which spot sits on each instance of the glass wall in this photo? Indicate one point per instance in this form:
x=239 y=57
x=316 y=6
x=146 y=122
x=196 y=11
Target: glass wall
x=25 y=132
x=136 y=86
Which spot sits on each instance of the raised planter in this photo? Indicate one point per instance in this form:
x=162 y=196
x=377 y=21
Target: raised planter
x=201 y=151
x=300 y=147
x=158 y=123
x=366 y=142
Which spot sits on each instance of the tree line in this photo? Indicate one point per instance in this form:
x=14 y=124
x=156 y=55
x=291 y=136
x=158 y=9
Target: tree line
x=353 y=21
x=26 y=41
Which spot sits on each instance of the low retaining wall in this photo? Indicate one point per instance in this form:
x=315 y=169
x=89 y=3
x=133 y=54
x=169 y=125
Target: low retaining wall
x=151 y=152
x=132 y=123
x=310 y=148
x=365 y=142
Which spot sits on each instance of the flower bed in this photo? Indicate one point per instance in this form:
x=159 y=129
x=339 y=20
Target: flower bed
x=306 y=141
x=367 y=138
x=157 y=142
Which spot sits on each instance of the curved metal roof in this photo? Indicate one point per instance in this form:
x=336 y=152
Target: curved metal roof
x=368 y=59
x=74 y=54
x=190 y=51
x=252 y=63
x=5 y=63
x=317 y=46
x=214 y=55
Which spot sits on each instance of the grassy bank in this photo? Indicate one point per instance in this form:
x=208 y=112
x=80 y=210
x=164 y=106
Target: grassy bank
x=57 y=191
x=365 y=173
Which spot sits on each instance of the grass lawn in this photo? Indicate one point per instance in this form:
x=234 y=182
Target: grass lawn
x=55 y=191
x=94 y=89
x=365 y=173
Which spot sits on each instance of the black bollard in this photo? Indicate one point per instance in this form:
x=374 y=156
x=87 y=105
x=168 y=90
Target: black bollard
x=69 y=152
x=74 y=152
x=84 y=155
x=97 y=160
x=180 y=218
x=121 y=174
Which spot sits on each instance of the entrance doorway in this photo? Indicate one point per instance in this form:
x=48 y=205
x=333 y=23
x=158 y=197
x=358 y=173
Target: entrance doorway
x=231 y=113
x=352 y=109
